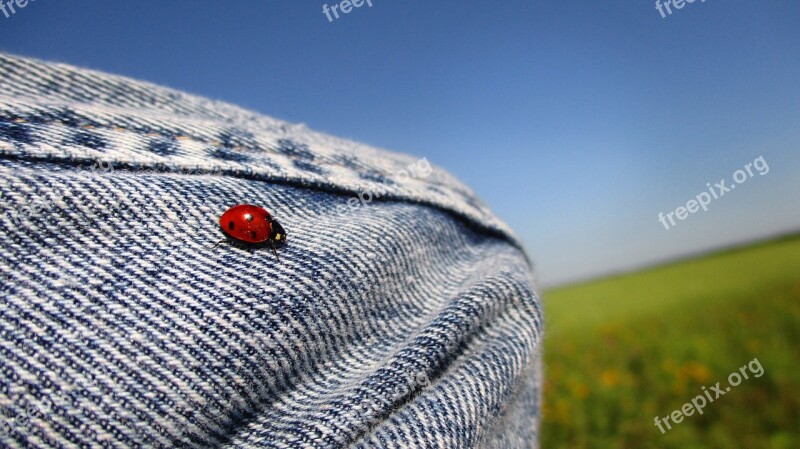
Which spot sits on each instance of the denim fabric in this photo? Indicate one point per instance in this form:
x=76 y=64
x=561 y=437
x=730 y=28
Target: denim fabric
x=406 y=321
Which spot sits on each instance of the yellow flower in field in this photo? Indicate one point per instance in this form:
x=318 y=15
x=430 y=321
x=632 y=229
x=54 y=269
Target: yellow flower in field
x=580 y=390
x=609 y=377
x=697 y=371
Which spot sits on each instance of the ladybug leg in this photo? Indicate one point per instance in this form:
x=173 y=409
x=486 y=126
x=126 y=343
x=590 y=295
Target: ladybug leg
x=217 y=244
x=274 y=251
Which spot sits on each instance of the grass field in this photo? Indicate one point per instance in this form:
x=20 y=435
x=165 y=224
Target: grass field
x=621 y=350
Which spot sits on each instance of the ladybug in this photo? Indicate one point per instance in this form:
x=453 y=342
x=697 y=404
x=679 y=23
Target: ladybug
x=252 y=225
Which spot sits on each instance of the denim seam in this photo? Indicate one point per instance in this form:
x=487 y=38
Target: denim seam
x=328 y=188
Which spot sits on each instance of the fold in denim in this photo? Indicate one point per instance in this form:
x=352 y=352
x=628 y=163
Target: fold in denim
x=401 y=313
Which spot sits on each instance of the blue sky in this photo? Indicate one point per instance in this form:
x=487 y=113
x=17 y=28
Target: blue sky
x=578 y=122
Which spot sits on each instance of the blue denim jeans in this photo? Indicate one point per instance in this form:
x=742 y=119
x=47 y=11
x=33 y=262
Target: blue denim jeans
x=400 y=314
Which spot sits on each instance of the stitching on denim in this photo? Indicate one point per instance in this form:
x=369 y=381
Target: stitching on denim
x=187 y=138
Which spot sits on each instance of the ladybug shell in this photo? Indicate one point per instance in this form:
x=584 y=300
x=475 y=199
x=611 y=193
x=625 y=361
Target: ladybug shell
x=247 y=223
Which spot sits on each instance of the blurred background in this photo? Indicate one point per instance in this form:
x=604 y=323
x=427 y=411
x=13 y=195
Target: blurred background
x=579 y=123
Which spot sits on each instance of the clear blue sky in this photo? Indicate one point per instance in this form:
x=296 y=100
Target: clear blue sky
x=577 y=121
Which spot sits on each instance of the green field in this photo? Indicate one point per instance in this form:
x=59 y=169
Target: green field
x=621 y=350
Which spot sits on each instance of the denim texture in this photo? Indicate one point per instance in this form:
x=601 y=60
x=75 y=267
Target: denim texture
x=410 y=321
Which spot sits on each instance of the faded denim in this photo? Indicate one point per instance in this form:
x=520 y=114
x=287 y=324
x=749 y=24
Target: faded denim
x=401 y=314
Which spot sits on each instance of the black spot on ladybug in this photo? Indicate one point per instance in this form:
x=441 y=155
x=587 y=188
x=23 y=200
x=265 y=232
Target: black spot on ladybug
x=88 y=139
x=15 y=132
x=230 y=225
x=253 y=234
x=162 y=147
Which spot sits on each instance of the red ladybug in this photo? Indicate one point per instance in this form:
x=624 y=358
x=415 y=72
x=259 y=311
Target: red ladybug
x=252 y=224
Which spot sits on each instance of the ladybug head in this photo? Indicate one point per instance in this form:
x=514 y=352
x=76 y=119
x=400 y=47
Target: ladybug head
x=278 y=234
